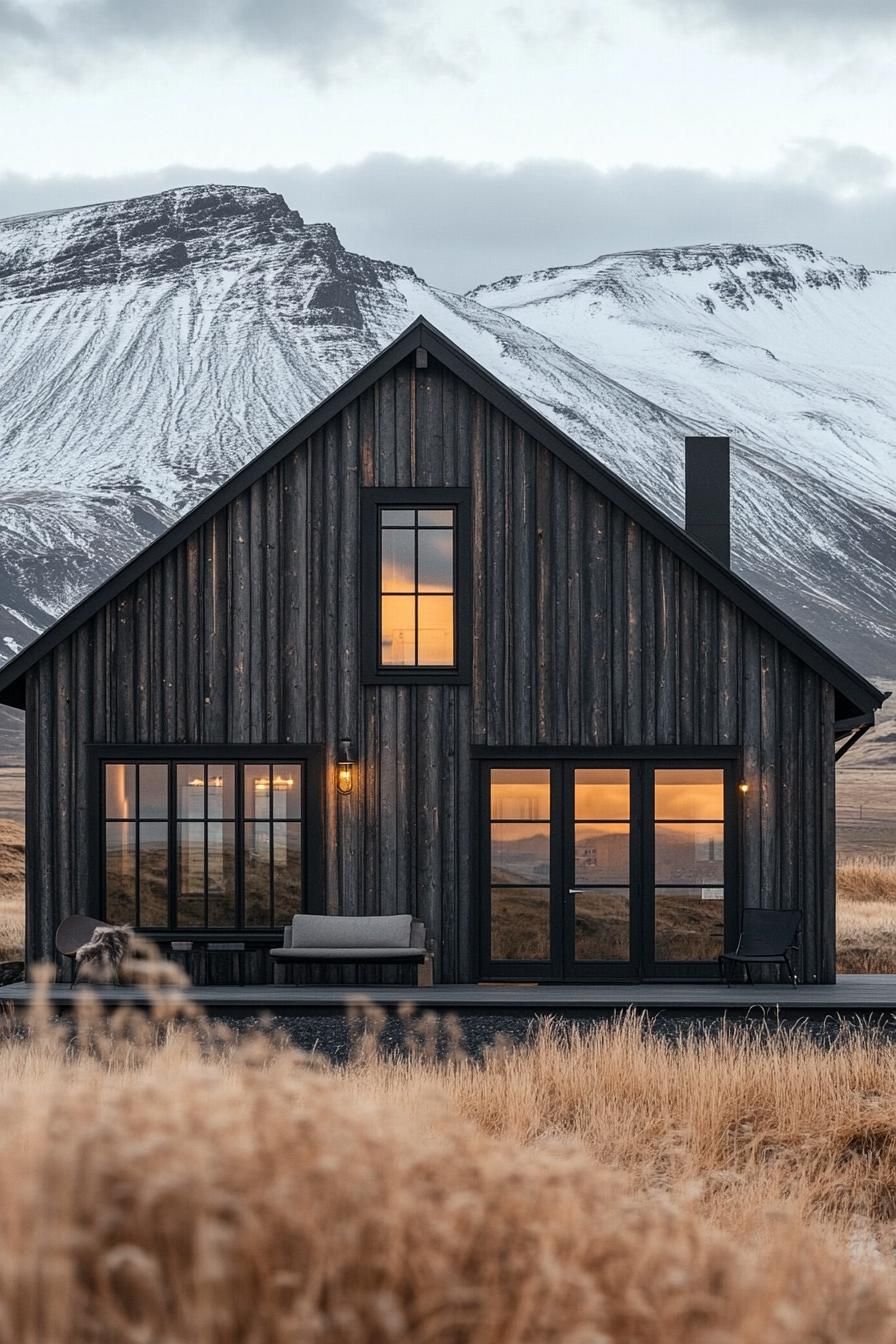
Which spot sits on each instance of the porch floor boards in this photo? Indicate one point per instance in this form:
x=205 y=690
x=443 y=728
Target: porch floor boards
x=852 y=994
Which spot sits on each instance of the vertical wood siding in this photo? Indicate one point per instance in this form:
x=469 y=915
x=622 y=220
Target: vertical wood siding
x=587 y=632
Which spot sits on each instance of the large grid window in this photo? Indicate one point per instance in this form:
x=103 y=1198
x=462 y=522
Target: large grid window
x=203 y=844
x=417 y=587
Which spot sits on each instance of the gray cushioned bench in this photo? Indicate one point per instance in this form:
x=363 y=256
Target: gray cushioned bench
x=356 y=940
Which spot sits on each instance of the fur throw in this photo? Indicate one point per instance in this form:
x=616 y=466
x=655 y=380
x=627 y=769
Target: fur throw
x=99 y=959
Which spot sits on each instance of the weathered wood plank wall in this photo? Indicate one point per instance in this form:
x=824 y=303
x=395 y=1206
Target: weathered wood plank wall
x=586 y=632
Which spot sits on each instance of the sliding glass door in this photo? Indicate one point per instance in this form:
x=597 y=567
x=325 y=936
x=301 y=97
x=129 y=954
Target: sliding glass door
x=605 y=870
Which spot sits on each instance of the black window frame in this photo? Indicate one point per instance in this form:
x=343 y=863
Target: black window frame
x=373 y=500
x=177 y=822
x=312 y=758
x=695 y=758
x=643 y=761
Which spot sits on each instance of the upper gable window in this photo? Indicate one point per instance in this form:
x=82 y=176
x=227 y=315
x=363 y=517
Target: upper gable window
x=417 y=587
x=416 y=584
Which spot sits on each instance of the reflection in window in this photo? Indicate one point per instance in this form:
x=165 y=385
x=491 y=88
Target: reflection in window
x=272 y=844
x=417 y=587
x=136 y=844
x=689 y=863
x=520 y=858
x=689 y=795
x=602 y=838
x=206 y=825
x=690 y=923
x=521 y=923
x=603 y=924
x=214 y=809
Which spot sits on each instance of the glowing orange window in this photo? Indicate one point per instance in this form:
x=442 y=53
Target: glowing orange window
x=417 y=587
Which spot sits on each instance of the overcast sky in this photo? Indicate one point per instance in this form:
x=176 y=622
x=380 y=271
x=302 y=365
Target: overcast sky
x=473 y=139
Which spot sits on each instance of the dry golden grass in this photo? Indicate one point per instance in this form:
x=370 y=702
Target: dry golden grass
x=12 y=857
x=600 y=1188
x=12 y=928
x=603 y=1189
x=866 y=916
x=739 y=1123
x=867 y=879
x=12 y=890
x=866 y=938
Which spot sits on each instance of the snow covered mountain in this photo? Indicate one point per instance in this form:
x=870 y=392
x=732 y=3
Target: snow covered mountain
x=792 y=353
x=148 y=348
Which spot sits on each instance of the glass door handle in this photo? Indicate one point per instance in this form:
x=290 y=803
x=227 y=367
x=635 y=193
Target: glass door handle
x=577 y=891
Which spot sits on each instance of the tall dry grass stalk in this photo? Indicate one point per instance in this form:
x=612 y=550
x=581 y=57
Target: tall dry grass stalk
x=162 y=1183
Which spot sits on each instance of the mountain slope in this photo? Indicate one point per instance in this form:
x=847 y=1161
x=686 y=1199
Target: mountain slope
x=781 y=345
x=790 y=352
x=148 y=348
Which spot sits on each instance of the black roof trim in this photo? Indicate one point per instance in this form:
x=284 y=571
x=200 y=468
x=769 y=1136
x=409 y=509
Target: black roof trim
x=859 y=695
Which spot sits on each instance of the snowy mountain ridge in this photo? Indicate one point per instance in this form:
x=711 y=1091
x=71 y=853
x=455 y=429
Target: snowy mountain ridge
x=739 y=274
x=150 y=347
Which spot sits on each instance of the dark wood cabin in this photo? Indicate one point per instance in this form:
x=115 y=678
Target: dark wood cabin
x=427 y=654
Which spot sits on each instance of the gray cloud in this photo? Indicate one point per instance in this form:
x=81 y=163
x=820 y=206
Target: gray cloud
x=767 y=19
x=17 y=24
x=459 y=226
x=313 y=35
x=845 y=169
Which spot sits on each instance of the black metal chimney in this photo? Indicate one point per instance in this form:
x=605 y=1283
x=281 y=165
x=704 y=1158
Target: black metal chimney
x=707 y=488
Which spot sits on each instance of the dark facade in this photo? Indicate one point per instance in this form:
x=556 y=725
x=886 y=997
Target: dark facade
x=597 y=637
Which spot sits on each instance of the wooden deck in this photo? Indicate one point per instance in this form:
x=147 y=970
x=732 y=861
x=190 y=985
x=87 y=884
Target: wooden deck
x=853 y=995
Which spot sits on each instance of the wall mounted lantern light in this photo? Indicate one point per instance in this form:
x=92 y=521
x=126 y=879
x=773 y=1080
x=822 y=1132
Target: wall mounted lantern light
x=743 y=788
x=345 y=767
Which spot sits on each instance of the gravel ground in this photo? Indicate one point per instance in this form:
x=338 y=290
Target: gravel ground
x=339 y=1038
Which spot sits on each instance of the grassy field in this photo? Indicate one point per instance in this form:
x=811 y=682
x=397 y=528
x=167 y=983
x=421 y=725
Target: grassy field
x=866 y=788
x=173 y=1184
x=12 y=890
x=603 y=1188
x=866 y=916
x=12 y=792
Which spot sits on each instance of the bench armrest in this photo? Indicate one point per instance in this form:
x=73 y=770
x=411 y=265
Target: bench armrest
x=418 y=933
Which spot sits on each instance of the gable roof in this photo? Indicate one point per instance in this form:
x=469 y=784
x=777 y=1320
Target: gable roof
x=857 y=698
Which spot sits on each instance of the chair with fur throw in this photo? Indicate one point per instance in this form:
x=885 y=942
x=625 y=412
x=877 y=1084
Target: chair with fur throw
x=73 y=933
x=100 y=958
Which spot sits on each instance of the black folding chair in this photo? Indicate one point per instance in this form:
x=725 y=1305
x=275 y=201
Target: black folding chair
x=766 y=936
x=73 y=933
